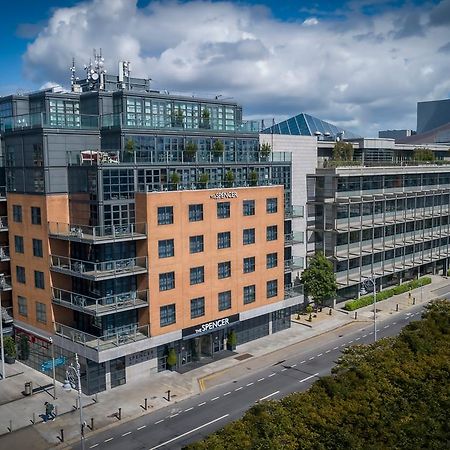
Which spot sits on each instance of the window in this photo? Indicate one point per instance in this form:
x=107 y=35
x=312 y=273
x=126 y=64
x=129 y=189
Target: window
x=195 y=213
x=167 y=315
x=18 y=244
x=224 y=239
x=271 y=205
x=249 y=207
x=166 y=281
x=197 y=275
x=272 y=233
x=39 y=279
x=224 y=269
x=37 y=248
x=196 y=244
x=248 y=236
x=272 y=288
x=41 y=312
x=17 y=213
x=35 y=215
x=249 y=294
x=23 y=309
x=224 y=300
x=20 y=274
x=272 y=260
x=197 y=307
x=165 y=215
x=223 y=210
x=166 y=248
x=249 y=264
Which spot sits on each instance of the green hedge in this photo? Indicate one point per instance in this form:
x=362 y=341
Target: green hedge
x=387 y=293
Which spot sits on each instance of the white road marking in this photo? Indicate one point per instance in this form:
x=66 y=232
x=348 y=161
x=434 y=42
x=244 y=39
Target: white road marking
x=350 y=341
x=213 y=399
x=335 y=348
x=250 y=384
x=283 y=369
x=226 y=393
x=201 y=404
x=239 y=388
x=357 y=339
x=189 y=409
x=109 y=439
x=294 y=365
x=308 y=378
x=371 y=332
x=342 y=345
x=174 y=415
x=126 y=434
x=312 y=357
x=159 y=421
x=387 y=326
x=302 y=362
x=268 y=396
x=328 y=351
x=189 y=432
x=143 y=426
x=93 y=446
x=320 y=354
x=394 y=323
x=271 y=375
x=364 y=335
x=261 y=379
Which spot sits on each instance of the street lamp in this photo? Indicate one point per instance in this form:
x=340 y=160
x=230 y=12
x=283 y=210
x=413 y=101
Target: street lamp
x=73 y=381
x=367 y=282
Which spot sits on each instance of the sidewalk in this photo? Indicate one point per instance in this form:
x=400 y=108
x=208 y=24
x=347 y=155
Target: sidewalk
x=130 y=397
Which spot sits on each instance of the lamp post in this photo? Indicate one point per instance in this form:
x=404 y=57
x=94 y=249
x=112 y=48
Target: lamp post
x=372 y=281
x=73 y=381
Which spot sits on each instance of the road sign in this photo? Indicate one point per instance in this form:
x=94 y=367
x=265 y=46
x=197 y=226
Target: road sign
x=48 y=365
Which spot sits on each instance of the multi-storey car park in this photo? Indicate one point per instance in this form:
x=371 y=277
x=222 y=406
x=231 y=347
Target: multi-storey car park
x=140 y=222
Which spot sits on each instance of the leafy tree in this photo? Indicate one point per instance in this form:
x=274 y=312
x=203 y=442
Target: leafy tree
x=265 y=149
x=342 y=151
x=229 y=178
x=218 y=148
x=175 y=179
x=9 y=346
x=205 y=123
x=309 y=310
x=203 y=179
x=319 y=279
x=190 y=150
x=253 y=178
x=422 y=154
x=172 y=358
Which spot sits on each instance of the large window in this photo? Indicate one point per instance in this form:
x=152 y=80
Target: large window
x=197 y=307
x=165 y=215
x=20 y=274
x=272 y=288
x=23 y=307
x=17 y=213
x=39 y=279
x=196 y=244
x=271 y=205
x=41 y=312
x=249 y=264
x=249 y=207
x=223 y=210
x=166 y=248
x=224 y=269
x=224 y=300
x=167 y=315
x=166 y=281
x=197 y=275
x=249 y=294
x=224 y=239
x=37 y=248
x=18 y=244
x=35 y=215
x=272 y=260
x=195 y=213
x=248 y=236
x=272 y=233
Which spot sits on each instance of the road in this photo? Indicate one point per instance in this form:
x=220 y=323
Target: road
x=194 y=418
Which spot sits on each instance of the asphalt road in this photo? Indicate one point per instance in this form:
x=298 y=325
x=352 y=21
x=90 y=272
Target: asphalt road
x=194 y=418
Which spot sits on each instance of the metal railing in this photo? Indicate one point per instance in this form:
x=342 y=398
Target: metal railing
x=295 y=263
x=97 y=233
x=95 y=270
x=294 y=238
x=100 y=306
x=116 y=338
x=2 y=192
x=5 y=282
x=3 y=223
x=294 y=211
x=4 y=254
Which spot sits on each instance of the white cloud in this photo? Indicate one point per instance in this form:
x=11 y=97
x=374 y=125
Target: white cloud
x=310 y=21
x=362 y=71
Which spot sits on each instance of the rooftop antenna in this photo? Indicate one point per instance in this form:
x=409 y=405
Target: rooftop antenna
x=73 y=78
x=95 y=72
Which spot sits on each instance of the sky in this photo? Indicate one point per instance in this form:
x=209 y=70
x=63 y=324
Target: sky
x=361 y=64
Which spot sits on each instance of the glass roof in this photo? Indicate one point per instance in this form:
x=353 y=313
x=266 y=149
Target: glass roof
x=306 y=125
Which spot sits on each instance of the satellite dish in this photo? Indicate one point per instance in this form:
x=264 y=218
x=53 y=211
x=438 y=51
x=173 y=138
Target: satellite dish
x=94 y=76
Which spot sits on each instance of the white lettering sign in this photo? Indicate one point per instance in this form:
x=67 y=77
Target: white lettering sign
x=222 y=195
x=211 y=325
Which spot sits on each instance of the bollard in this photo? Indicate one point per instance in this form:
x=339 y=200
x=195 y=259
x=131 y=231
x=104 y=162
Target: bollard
x=61 y=438
x=396 y=307
x=10 y=426
x=92 y=424
x=329 y=312
x=119 y=416
x=56 y=410
x=356 y=315
x=33 y=420
x=414 y=300
x=168 y=395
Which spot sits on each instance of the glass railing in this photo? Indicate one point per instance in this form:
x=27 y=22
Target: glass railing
x=3 y=223
x=5 y=282
x=97 y=233
x=106 y=269
x=52 y=120
x=4 y=253
x=294 y=211
x=294 y=263
x=293 y=290
x=103 y=305
x=116 y=338
x=2 y=192
x=294 y=238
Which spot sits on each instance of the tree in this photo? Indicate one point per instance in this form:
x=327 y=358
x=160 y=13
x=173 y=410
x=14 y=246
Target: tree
x=218 y=148
x=190 y=150
x=172 y=358
x=175 y=179
x=203 y=179
x=253 y=178
x=229 y=178
x=309 y=310
x=205 y=119
x=342 y=151
x=129 y=146
x=319 y=279
x=423 y=154
x=265 y=150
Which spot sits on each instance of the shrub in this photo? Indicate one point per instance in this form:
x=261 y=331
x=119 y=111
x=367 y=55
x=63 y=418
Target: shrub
x=172 y=358
x=9 y=346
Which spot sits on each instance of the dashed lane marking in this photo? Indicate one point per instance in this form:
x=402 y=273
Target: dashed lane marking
x=350 y=341
x=93 y=446
x=174 y=415
x=271 y=375
x=312 y=357
x=189 y=409
x=387 y=326
x=226 y=393
x=320 y=354
x=250 y=384
x=302 y=362
x=328 y=351
x=261 y=379
x=335 y=348
x=126 y=434
x=239 y=388
x=201 y=404
x=308 y=378
x=109 y=439
x=283 y=370
x=357 y=339
x=143 y=426
x=294 y=365
x=394 y=323
x=364 y=335
x=268 y=396
x=214 y=399
x=159 y=421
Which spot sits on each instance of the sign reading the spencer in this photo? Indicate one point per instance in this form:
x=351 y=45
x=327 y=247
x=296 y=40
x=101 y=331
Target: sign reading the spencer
x=210 y=326
x=222 y=195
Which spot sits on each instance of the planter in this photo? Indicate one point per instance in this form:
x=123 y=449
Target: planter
x=10 y=359
x=231 y=347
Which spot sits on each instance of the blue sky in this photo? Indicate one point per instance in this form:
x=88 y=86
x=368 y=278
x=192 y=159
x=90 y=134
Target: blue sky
x=360 y=63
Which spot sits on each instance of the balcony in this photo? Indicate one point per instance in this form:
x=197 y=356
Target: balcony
x=3 y=223
x=2 y=193
x=293 y=290
x=294 y=238
x=294 y=211
x=5 y=282
x=99 y=270
x=100 y=306
x=114 y=339
x=97 y=234
x=4 y=254
x=295 y=263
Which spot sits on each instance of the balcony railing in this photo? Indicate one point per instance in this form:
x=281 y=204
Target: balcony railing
x=100 y=306
x=295 y=263
x=97 y=234
x=116 y=338
x=53 y=120
x=294 y=211
x=2 y=193
x=293 y=290
x=5 y=282
x=4 y=254
x=4 y=223
x=294 y=238
x=99 y=270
